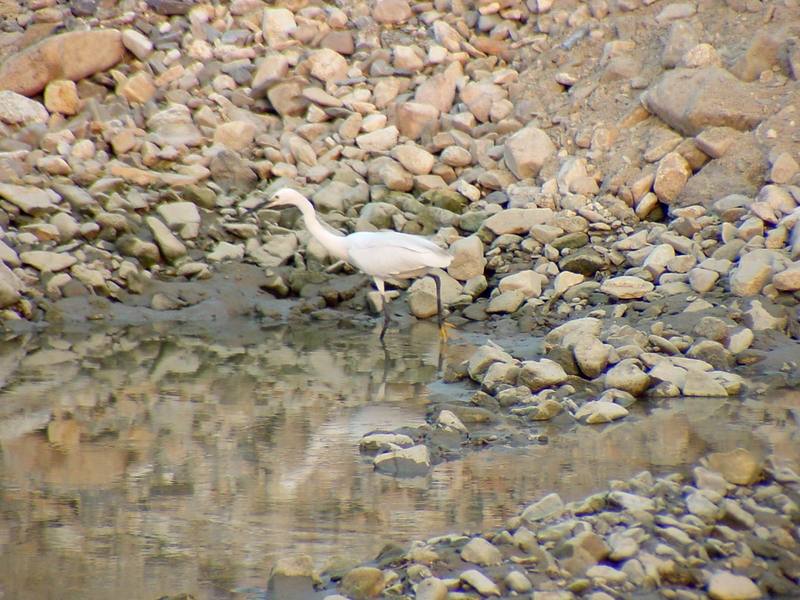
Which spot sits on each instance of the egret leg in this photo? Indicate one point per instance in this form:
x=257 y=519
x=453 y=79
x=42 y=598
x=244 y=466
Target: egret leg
x=385 y=301
x=442 y=325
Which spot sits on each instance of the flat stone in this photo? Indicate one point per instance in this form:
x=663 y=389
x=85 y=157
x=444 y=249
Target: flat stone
x=174 y=126
x=591 y=355
x=31 y=200
x=754 y=271
x=506 y=302
x=379 y=140
x=518 y=220
x=171 y=247
x=363 y=583
x=626 y=287
x=45 y=261
x=701 y=383
x=549 y=507
x=137 y=43
x=415 y=119
x=16 y=109
x=483 y=358
x=236 y=135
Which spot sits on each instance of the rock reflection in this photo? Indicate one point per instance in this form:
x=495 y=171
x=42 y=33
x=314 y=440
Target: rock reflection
x=139 y=463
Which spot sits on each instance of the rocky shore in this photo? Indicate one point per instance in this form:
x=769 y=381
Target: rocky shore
x=620 y=175
x=727 y=532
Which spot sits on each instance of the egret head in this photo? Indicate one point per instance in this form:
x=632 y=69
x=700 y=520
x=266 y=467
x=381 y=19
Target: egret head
x=286 y=197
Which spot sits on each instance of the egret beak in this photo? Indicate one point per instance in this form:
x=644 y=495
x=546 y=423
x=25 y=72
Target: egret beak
x=273 y=203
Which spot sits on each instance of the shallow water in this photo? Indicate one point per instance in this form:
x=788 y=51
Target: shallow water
x=152 y=461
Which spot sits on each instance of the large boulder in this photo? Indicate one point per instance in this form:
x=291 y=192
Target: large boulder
x=73 y=55
x=690 y=100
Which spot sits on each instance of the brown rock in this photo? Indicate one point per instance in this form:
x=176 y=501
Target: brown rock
x=273 y=68
x=479 y=98
x=690 y=100
x=739 y=171
x=672 y=174
x=762 y=54
x=61 y=95
x=339 y=41
x=391 y=12
x=287 y=98
x=439 y=91
x=137 y=89
x=72 y=55
x=737 y=466
x=413 y=119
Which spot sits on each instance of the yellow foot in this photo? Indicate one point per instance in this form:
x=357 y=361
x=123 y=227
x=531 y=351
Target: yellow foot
x=443 y=330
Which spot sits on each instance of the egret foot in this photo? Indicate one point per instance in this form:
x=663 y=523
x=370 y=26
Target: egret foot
x=443 y=330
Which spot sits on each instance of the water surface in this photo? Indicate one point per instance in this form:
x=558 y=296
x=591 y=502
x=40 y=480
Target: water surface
x=143 y=462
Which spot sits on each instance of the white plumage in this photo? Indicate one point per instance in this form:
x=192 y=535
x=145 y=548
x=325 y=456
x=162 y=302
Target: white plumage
x=380 y=254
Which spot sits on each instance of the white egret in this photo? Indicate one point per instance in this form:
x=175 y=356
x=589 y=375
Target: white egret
x=380 y=254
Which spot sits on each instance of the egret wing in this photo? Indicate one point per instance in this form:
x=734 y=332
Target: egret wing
x=388 y=254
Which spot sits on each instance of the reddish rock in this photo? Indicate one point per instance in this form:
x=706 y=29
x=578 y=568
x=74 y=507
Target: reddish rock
x=72 y=55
